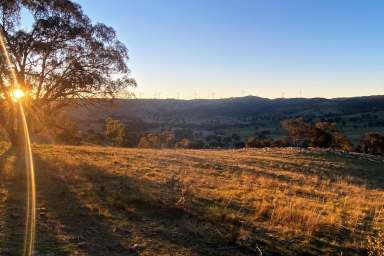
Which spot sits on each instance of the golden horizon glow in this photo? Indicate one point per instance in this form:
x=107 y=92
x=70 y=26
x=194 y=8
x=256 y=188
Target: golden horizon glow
x=17 y=94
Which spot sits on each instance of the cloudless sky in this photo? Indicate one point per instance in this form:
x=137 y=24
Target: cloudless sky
x=269 y=48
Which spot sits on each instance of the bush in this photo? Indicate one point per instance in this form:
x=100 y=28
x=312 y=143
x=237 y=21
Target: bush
x=184 y=143
x=131 y=139
x=164 y=139
x=68 y=133
x=183 y=133
x=327 y=135
x=298 y=130
x=114 y=131
x=91 y=136
x=321 y=134
x=284 y=142
x=372 y=143
x=258 y=142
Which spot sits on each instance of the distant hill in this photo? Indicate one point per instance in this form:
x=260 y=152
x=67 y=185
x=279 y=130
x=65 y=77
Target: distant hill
x=230 y=109
x=244 y=115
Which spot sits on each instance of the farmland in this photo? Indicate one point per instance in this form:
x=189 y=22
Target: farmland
x=120 y=201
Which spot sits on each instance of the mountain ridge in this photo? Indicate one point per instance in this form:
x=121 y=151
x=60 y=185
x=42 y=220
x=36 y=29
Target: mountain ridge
x=236 y=107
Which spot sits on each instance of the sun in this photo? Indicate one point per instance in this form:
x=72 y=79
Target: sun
x=17 y=94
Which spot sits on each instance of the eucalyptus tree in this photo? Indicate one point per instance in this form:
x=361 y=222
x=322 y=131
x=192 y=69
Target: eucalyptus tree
x=59 y=57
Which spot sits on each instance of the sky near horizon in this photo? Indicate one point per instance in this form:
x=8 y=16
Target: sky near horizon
x=268 y=48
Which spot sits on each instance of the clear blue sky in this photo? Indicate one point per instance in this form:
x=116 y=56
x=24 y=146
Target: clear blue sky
x=224 y=48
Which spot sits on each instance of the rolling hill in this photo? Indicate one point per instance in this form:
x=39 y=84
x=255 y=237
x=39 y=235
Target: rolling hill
x=230 y=109
x=245 y=116
x=116 y=201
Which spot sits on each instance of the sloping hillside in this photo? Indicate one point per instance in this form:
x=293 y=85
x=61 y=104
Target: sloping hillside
x=228 y=110
x=245 y=116
x=111 y=201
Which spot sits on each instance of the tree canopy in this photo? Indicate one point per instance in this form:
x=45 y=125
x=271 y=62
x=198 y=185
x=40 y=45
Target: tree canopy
x=61 y=55
x=319 y=134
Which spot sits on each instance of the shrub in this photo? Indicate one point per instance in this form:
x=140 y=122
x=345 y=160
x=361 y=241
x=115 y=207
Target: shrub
x=94 y=137
x=321 y=134
x=258 y=142
x=68 y=133
x=372 y=143
x=114 y=131
x=165 y=139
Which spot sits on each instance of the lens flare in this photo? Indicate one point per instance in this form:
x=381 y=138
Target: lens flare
x=17 y=94
x=30 y=226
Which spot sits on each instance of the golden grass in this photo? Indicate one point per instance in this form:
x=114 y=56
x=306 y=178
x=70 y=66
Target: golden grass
x=210 y=202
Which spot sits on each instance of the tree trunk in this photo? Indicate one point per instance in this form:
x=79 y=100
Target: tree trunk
x=14 y=130
x=17 y=142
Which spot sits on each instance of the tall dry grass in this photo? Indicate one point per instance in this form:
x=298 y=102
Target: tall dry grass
x=279 y=201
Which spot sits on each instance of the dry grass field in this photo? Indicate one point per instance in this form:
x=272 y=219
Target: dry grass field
x=112 y=201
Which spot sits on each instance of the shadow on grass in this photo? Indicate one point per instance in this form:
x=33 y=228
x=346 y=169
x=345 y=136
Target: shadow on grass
x=12 y=232
x=132 y=213
x=107 y=213
x=364 y=170
x=327 y=240
x=13 y=180
x=78 y=229
x=332 y=166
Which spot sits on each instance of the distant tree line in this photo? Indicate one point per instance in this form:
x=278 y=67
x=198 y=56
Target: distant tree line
x=320 y=135
x=300 y=133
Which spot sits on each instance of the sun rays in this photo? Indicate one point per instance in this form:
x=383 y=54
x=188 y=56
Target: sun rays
x=16 y=95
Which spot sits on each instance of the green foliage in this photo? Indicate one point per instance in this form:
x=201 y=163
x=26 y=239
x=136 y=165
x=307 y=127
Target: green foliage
x=63 y=55
x=114 y=132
